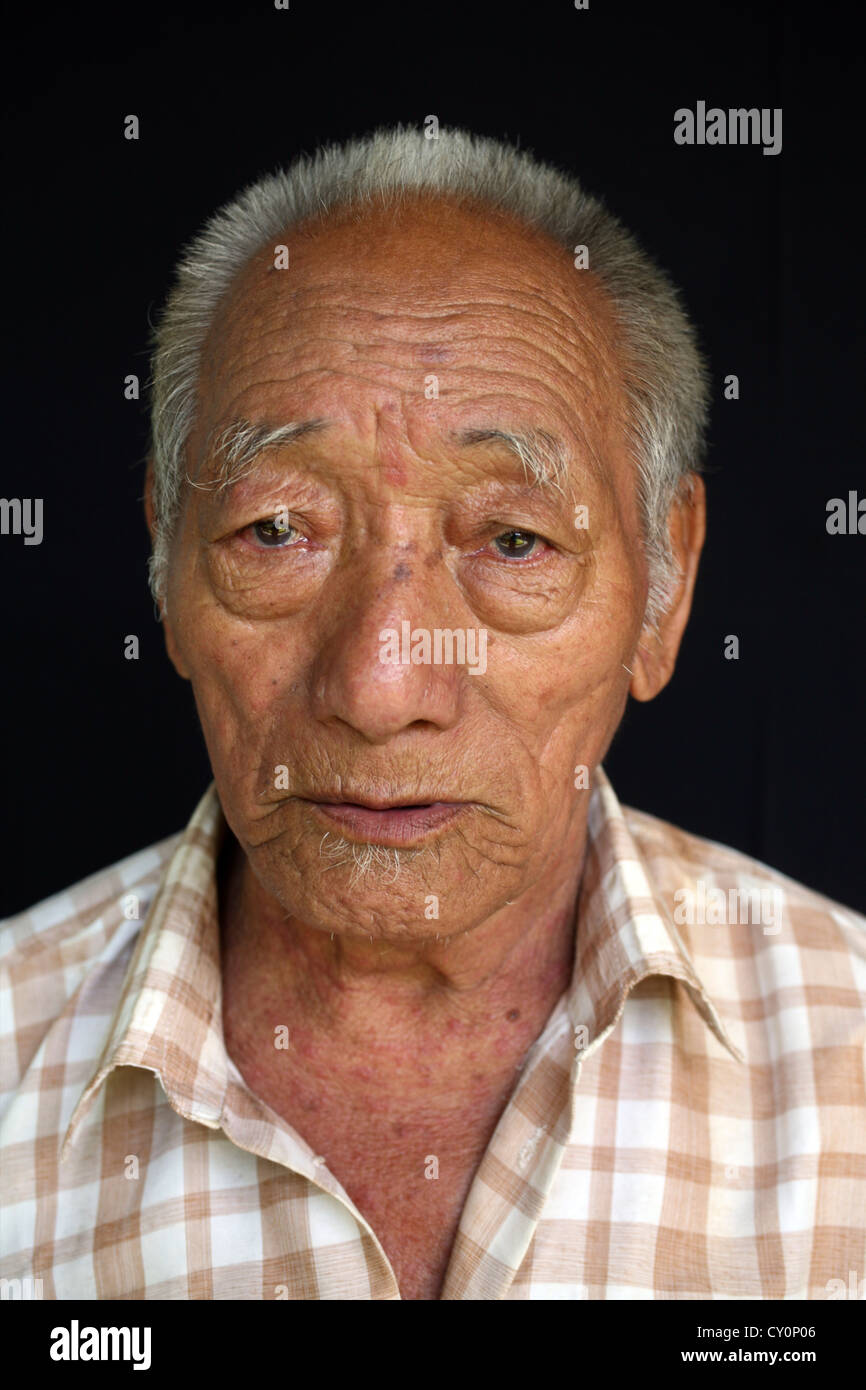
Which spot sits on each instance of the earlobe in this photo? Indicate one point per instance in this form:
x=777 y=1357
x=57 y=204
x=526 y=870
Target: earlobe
x=650 y=666
x=173 y=650
x=659 y=644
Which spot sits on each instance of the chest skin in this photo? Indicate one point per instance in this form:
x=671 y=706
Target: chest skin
x=410 y=1180
x=406 y=1160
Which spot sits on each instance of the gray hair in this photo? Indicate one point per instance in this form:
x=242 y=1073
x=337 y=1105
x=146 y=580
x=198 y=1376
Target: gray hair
x=665 y=377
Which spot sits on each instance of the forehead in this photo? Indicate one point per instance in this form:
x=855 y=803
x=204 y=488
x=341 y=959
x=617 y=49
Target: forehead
x=444 y=305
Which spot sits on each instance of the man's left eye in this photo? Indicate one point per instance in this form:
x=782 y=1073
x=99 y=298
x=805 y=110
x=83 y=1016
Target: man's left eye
x=517 y=545
x=274 y=531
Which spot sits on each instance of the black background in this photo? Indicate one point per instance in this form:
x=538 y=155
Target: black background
x=101 y=755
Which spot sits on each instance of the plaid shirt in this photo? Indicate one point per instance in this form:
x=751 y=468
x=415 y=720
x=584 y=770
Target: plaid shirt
x=691 y=1122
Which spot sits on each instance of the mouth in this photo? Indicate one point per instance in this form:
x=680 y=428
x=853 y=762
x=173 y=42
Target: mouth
x=390 y=824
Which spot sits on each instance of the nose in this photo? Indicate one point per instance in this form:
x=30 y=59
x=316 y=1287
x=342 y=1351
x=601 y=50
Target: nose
x=370 y=672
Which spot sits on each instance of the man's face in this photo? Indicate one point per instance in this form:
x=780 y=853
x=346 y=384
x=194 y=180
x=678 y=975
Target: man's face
x=404 y=334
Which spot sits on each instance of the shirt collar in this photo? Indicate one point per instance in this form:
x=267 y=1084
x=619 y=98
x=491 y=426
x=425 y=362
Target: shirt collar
x=168 y=1019
x=625 y=930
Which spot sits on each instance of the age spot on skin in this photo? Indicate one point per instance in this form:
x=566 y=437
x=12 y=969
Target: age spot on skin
x=513 y=1015
x=402 y=572
x=432 y=352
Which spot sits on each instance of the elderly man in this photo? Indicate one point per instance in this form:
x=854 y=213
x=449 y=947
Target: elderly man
x=414 y=1008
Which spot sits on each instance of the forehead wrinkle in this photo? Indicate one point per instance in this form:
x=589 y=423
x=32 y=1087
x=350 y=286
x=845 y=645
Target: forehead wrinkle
x=550 y=331
x=547 y=291
x=569 y=333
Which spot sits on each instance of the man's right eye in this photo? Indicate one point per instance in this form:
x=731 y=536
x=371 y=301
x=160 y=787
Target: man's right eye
x=274 y=532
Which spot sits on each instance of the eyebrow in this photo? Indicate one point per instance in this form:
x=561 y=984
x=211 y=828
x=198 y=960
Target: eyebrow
x=544 y=456
x=234 y=451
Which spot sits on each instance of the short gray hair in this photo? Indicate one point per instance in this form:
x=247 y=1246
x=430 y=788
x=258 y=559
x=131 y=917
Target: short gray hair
x=665 y=377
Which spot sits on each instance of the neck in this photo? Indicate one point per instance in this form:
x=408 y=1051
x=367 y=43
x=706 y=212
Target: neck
x=486 y=992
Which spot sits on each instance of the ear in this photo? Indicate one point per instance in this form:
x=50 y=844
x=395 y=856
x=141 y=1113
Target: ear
x=656 y=656
x=150 y=515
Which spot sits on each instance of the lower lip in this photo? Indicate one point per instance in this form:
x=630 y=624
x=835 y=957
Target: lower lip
x=398 y=825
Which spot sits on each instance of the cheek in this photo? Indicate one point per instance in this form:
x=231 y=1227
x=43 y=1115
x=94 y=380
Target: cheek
x=564 y=699
x=238 y=679
x=576 y=726
x=572 y=674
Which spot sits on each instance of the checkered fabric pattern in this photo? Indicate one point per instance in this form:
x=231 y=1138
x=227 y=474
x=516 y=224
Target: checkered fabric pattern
x=691 y=1123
